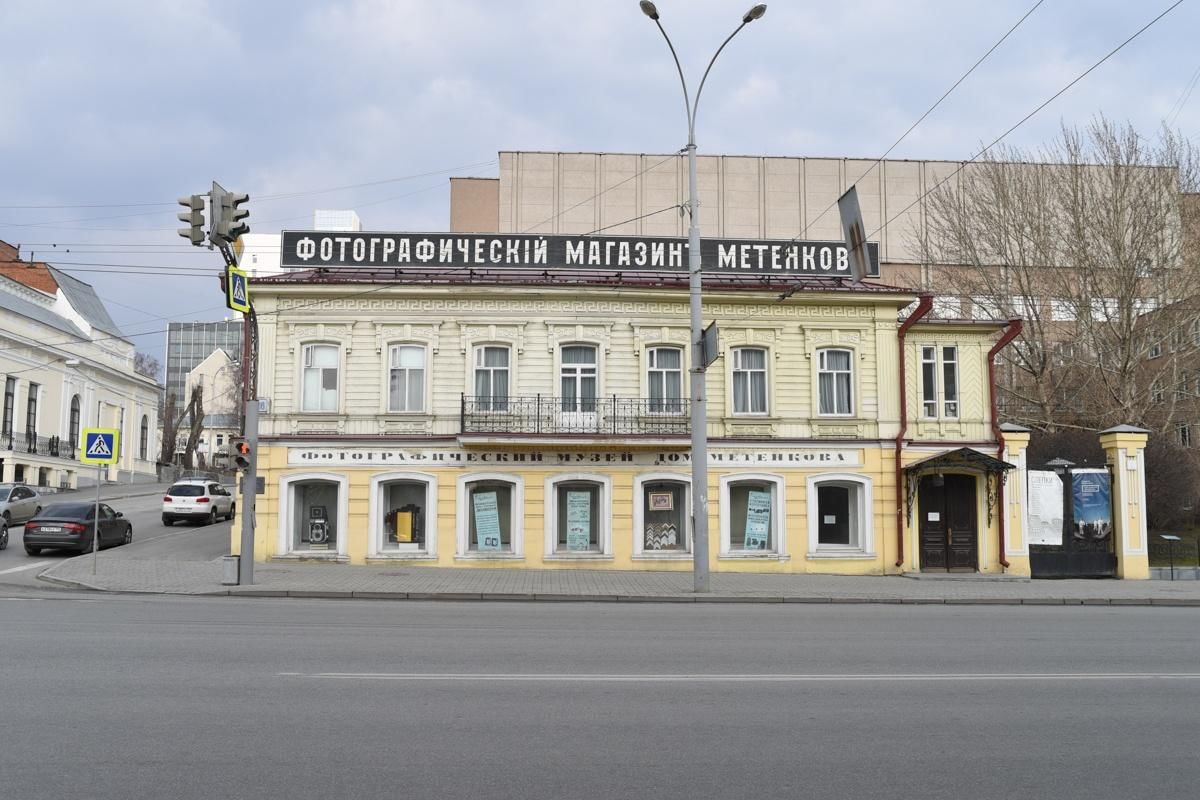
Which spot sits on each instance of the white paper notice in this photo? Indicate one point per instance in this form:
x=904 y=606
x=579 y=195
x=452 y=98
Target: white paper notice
x=1045 y=507
x=830 y=519
x=934 y=516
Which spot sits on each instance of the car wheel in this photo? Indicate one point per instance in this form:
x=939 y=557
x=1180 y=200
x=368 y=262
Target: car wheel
x=30 y=550
x=232 y=511
x=168 y=521
x=3 y=536
x=128 y=534
x=212 y=517
x=37 y=511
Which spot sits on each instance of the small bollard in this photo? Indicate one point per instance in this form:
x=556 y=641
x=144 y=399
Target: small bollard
x=229 y=570
x=1171 y=540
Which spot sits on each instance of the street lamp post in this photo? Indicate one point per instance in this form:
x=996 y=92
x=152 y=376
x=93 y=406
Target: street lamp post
x=699 y=409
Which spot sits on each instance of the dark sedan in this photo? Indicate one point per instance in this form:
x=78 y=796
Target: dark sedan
x=69 y=526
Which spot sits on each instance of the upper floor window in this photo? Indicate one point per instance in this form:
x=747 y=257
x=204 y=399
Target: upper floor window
x=929 y=381
x=950 y=381
x=664 y=377
x=10 y=402
x=577 y=378
x=491 y=378
x=749 y=380
x=31 y=408
x=406 y=378
x=835 y=382
x=144 y=438
x=73 y=435
x=320 y=389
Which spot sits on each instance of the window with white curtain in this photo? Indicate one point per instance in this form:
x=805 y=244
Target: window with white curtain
x=664 y=374
x=835 y=382
x=406 y=378
x=577 y=374
x=320 y=382
x=749 y=380
x=491 y=378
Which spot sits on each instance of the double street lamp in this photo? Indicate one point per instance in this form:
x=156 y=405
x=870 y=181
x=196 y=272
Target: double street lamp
x=699 y=411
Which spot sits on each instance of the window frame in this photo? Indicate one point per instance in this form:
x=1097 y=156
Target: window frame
x=304 y=349
x=581 y=403
x=387 y=377
x=375 y=510
x=666 y=401
x=8 y=420
x=945 y=395
x=462 y=517
x=778 y=523
x=144 y=438
x=287 y=498
x=32 y=407
x=863 y=501
x=509 y=368
x=853 y=383
x=74 y=420
x=735 y=367
x=639 y=516
x=928 y=364
x=604 y=514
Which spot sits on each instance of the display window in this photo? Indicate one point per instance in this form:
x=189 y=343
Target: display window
x=839 y=518
x=405 y=516
x=751 y=515
x=314 y=515
x=490 y=517
x=662 y=528
x=577 y=528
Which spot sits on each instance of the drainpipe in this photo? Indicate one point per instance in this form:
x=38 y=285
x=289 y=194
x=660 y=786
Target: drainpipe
x=1012 y=330
x=923 y=308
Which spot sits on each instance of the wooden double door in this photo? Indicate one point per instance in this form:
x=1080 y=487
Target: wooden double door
x=949 y=533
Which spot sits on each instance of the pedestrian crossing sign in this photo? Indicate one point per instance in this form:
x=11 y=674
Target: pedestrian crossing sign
x=99 y=446
x=237 y=290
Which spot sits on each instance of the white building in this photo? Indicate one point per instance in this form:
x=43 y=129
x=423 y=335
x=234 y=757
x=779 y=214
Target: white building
x=66 y=366
x=217 y=376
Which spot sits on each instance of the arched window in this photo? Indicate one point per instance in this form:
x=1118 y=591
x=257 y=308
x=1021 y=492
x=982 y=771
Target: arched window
x=840 y=521
x=73 y=438
x=144 y=438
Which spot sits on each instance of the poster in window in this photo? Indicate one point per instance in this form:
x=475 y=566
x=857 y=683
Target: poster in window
x=1091 y=501
x=579 y=520
x=758 y=519
x=403 y=525
x=487 y=520
x=662 y=501
x=1045 y=508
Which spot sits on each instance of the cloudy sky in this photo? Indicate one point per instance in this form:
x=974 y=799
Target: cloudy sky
x=111 y=110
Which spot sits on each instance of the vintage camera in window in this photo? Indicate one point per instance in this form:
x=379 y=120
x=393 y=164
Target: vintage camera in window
x=318 y=526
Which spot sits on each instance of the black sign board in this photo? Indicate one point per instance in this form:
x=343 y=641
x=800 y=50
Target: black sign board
x=363 y=250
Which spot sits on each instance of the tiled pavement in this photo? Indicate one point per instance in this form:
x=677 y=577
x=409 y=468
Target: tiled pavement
x=116 y=574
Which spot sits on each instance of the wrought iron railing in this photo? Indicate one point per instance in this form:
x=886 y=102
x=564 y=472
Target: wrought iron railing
x=29 y=442
x=603 y=416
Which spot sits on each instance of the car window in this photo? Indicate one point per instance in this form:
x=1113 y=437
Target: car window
x=20 y=493
x=106 y=511
x=214 y=489
x=4 y=490
x=186 y=490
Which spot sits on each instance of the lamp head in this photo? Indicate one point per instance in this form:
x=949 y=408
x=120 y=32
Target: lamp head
x=648 y=9
x=754 y=13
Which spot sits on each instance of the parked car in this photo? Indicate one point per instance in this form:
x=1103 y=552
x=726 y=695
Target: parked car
x=18 y=503
x=69 y=526
x=199 y=501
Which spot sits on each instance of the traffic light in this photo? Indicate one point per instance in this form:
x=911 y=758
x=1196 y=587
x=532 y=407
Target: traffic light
x=194 y=217
x=241 y=453
x=227 y=215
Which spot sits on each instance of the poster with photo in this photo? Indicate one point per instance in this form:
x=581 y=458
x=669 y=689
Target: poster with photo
x=487 y=521
x=1091 y=502
x=579 y=521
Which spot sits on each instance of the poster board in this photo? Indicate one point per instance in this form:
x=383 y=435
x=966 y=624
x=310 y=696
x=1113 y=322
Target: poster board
x=758 y=520
x=1091 y=504
x=1045 y=508
x=487 y=521
x=579 y=521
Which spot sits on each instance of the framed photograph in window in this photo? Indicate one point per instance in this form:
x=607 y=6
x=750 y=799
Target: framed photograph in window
x=662 y=501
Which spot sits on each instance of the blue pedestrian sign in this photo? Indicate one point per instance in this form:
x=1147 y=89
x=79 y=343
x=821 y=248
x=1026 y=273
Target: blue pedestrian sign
x=237 y=290
x=99 y=446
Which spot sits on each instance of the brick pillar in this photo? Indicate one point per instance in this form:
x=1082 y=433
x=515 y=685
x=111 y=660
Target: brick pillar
x=1124 y=447
x=1016 y=546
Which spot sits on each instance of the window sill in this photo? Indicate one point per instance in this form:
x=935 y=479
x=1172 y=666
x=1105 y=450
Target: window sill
x=489 y=557
x=312 y=555
x=406 y=556
x=844 y=555
x=578 y=557
x=671 y=556
x=751 y=556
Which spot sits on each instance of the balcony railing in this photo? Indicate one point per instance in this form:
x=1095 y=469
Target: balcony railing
x=596 y=416
x=29 y=442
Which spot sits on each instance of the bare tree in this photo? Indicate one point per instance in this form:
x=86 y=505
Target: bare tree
x=147 y=365
x=1085 y=241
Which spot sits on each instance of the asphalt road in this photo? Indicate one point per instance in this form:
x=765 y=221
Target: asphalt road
x=123 y=697
x=151 y=539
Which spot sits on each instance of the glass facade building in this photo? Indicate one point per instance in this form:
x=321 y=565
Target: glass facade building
x=189 y=343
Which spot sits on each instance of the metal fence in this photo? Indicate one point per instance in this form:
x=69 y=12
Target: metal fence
x=30 y=443
x=603 y=416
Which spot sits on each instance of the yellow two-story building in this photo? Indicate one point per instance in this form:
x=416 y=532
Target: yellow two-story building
x=507 y=400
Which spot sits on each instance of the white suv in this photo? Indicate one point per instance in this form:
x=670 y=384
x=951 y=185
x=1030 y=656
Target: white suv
x=201 y=501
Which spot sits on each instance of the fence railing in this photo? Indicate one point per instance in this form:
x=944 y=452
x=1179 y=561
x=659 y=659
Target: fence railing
x=30 y=443
x=602 y=416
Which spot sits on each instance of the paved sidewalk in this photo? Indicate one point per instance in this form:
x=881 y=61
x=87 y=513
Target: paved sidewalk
x=111 y=491
x=401 y=582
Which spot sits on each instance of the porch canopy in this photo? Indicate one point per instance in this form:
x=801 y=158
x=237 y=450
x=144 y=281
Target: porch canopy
x=958 y=459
